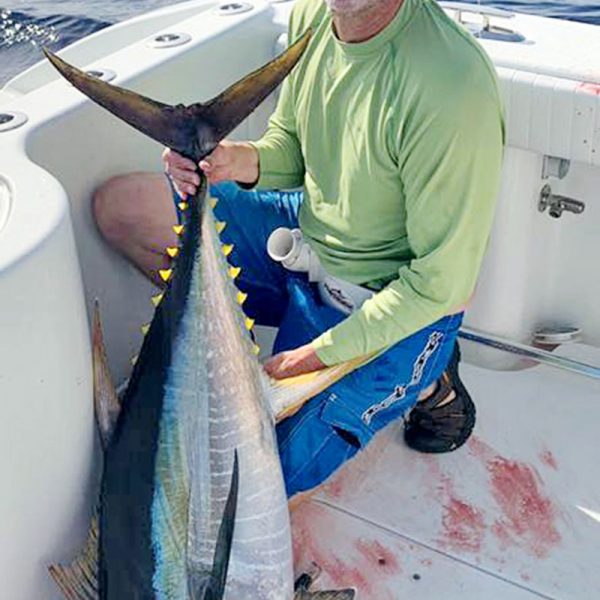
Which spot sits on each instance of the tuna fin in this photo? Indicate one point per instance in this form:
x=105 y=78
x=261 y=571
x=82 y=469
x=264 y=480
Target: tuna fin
x=79 y=581
x=106 y=400
x=212 y=585
x=225 y=537
x=191 y=130
x=286 y=396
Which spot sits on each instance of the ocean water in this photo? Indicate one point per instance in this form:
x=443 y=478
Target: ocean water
x=25 y=26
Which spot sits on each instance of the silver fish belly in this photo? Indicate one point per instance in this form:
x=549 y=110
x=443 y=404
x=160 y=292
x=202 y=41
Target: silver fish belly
x=215 y=403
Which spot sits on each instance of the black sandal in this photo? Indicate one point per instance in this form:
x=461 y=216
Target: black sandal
x=434 y=426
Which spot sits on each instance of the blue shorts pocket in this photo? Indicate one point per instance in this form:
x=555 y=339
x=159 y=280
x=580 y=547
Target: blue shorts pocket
x=344 y=421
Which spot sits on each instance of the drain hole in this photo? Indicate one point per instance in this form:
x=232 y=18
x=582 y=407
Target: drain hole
x=102 y=74
x=11 y=120
x=169 y=40
x=234 y=8
x=167 y=37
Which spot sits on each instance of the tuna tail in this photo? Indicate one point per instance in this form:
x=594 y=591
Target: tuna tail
x=106 y=401
x=194 y=130
x=211 y=586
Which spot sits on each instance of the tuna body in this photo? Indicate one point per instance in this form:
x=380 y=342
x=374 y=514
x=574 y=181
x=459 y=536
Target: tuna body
x=169 y=467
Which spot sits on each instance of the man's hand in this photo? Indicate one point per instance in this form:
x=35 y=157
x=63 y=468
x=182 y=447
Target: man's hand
x=237 y=161
x=293 y=362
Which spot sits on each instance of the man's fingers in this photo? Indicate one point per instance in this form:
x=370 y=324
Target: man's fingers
x=184 y=176
x=174 y=160
x=181 y=162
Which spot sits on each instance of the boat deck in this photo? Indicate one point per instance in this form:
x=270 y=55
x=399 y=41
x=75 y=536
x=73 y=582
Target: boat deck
x=512 y=514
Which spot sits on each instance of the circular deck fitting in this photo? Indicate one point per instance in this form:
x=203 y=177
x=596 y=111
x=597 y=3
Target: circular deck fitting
x=102 y=74
x=11 y=119
x=557 y=335
x=169 y=40
x=233 y=8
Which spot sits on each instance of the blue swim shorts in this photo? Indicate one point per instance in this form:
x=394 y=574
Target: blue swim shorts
x=340 y=421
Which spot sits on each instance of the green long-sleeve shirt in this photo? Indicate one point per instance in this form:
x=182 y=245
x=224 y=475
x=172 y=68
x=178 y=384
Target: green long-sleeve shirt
x=398 y=143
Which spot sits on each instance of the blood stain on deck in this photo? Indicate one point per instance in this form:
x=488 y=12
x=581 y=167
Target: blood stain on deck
x=528 y=514
x=463 y=526
x=589 y=88
x=368 y=565
x=309 y=522
x=548 y=459
x=378 y=556
x=528 y=518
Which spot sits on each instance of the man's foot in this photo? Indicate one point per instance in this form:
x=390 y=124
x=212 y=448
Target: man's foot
x=444 y=420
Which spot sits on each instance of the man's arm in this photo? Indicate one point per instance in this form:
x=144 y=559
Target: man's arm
x=450 y=167
x=281 y=165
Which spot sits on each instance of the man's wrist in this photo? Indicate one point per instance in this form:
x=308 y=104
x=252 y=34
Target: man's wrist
x=249 y=171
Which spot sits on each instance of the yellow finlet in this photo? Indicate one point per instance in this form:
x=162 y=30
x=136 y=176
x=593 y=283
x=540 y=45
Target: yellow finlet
x=227 y=249
x=145 y=329
x=172 y=251
x=241 y=297
x=220 y=225
x=178 y=229
x=213 y=202
x=183 y=205
x=134 y=360
x=256 y=349
x=249 y=323
x=165 y=274
x=234 y=272
x=156 y=300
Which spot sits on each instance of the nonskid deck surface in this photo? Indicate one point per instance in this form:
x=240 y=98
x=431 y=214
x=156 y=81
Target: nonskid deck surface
x=513 y=514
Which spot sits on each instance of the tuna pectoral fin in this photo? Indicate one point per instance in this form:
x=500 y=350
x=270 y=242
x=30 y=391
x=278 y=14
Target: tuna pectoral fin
x=191 y=130
x=212 y=585
x=79 y=581
x=286 y=396
x=106 y=400
x=225 y=537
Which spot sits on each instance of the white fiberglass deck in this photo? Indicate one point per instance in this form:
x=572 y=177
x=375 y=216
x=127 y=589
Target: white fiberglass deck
x=513 y=514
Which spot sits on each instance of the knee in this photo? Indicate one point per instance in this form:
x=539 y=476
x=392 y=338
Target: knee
x=112 y=210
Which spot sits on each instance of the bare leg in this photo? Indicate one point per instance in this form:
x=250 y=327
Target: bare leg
x=135 y=214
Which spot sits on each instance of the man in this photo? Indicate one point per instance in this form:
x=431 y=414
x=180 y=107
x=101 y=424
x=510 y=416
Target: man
x=392 y=123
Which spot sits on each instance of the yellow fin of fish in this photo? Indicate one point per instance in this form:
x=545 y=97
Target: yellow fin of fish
x=156 y=300
x=165 y=274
